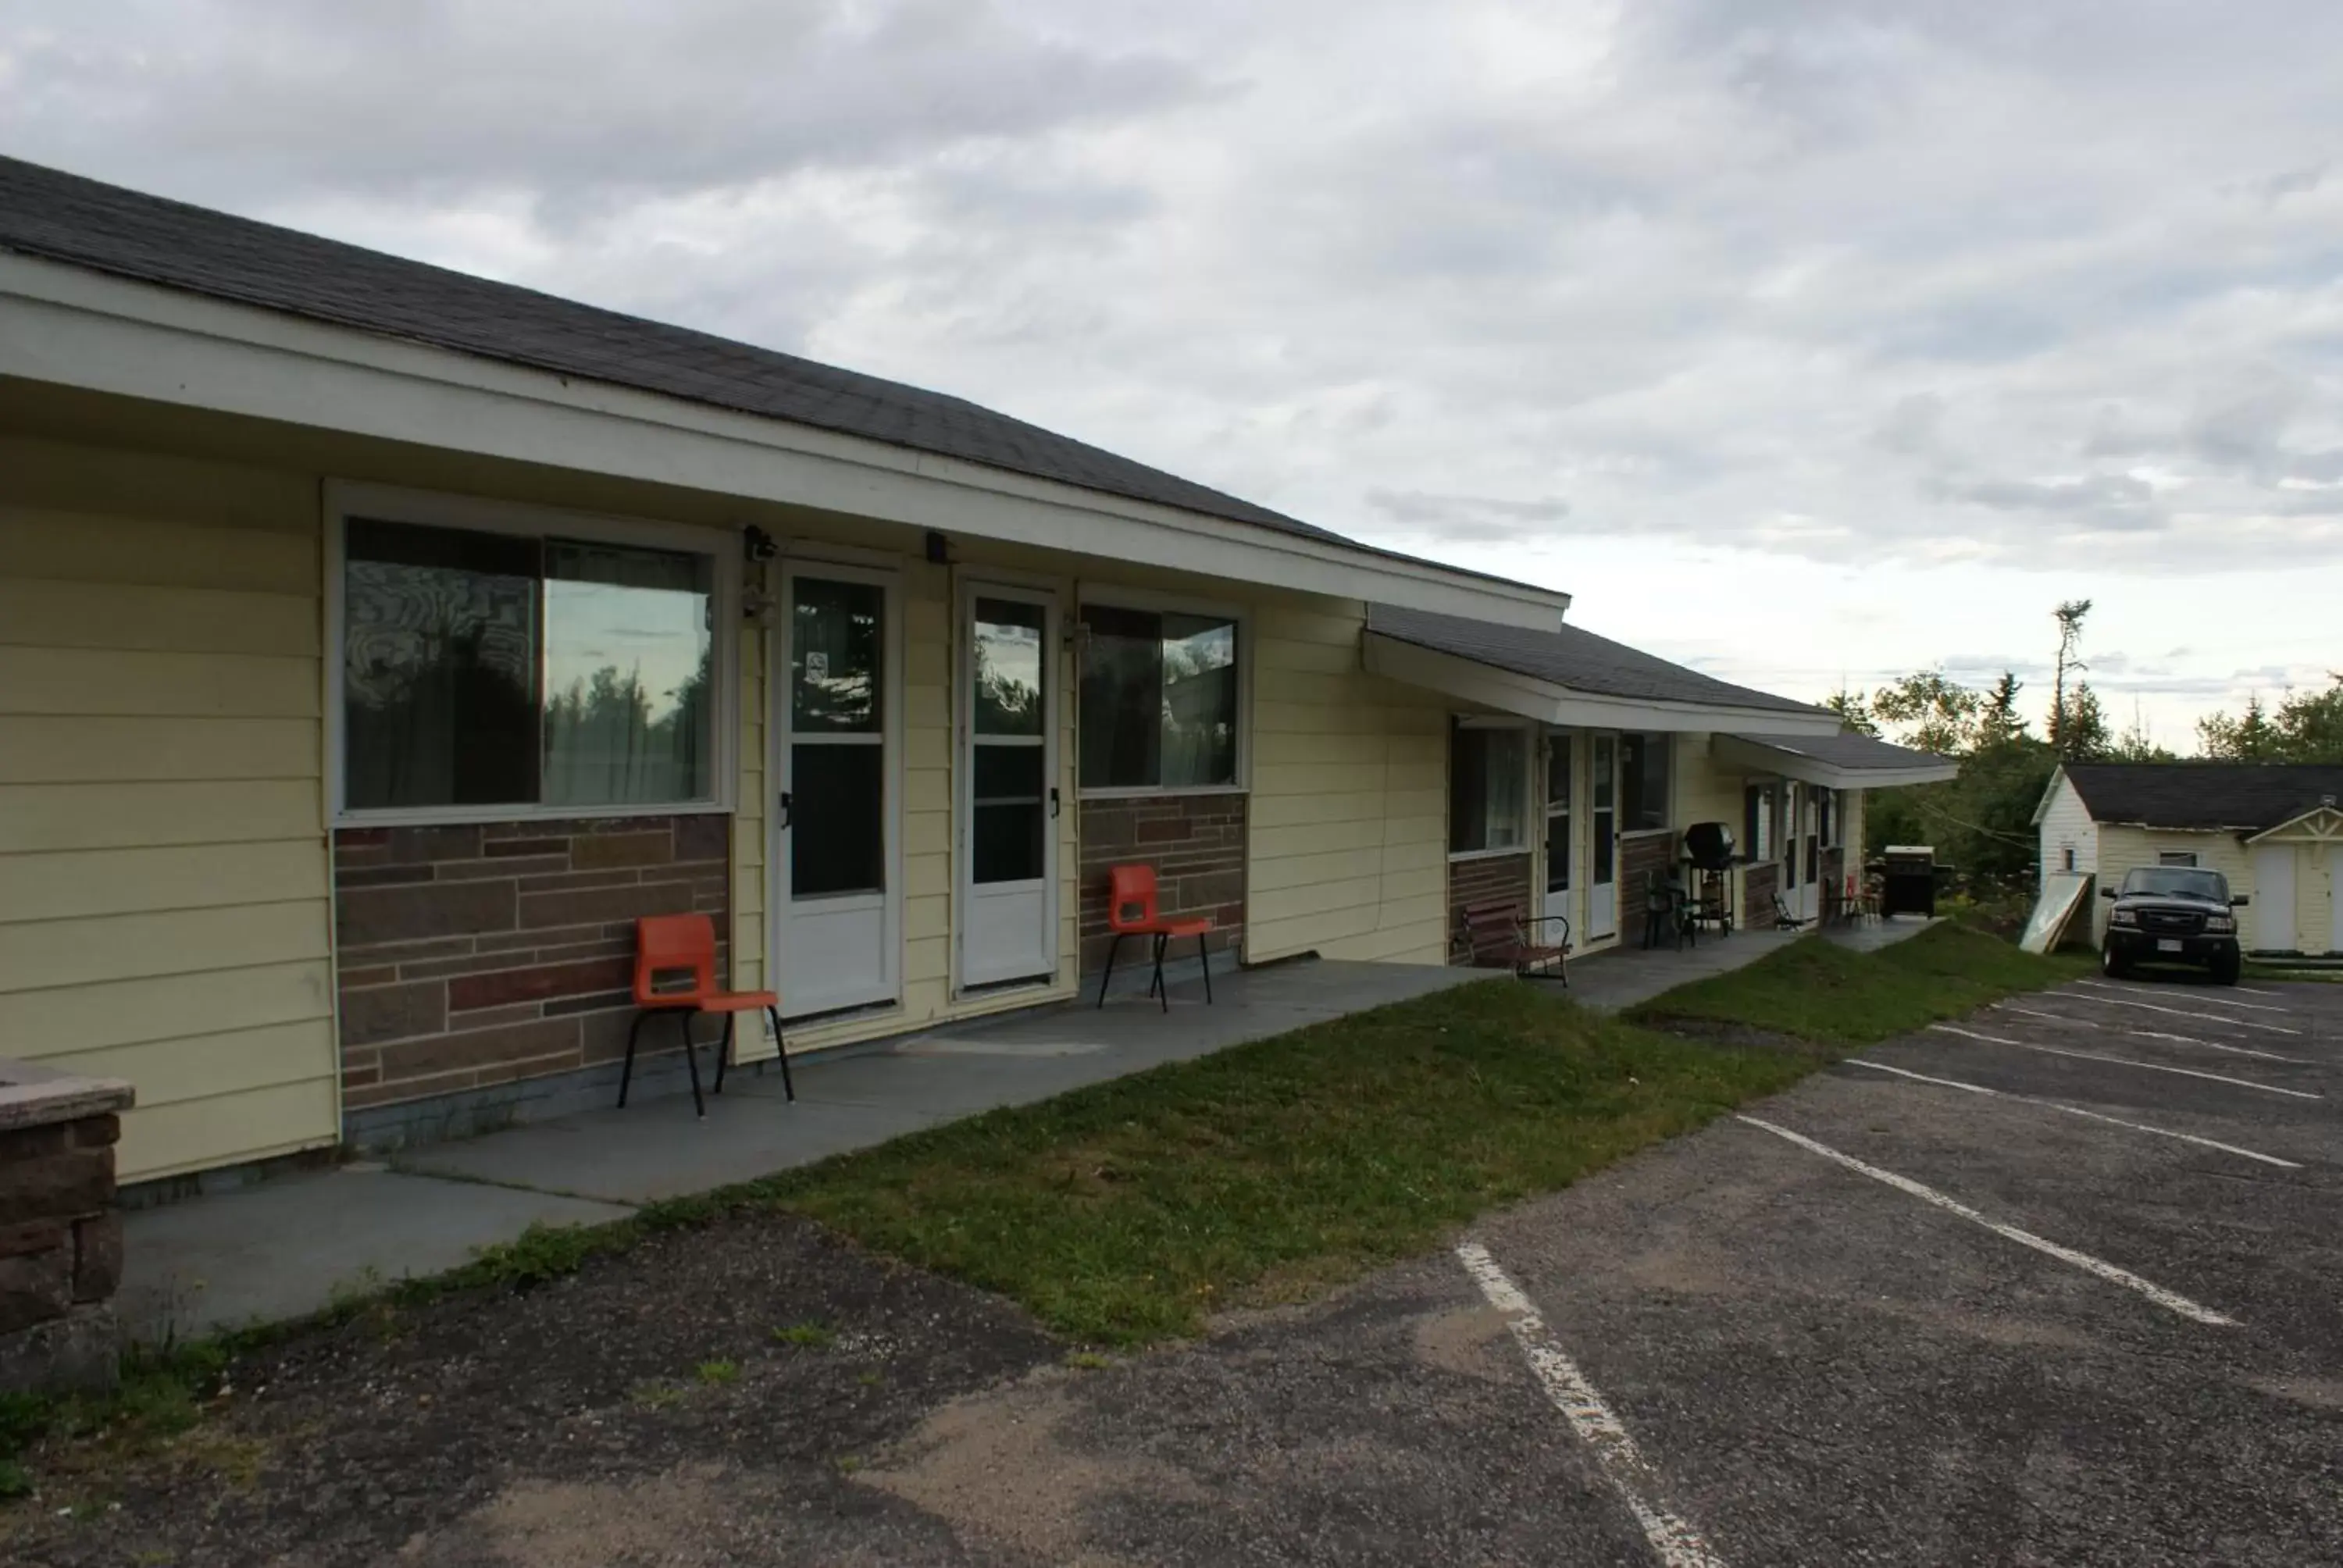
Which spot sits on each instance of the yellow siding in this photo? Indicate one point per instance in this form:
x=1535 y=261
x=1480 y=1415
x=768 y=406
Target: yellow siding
x=2124 y=848
x=164 y=914
x=1348 y=839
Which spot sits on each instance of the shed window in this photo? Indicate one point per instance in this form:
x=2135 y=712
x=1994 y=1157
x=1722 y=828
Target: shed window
x=1158 y=699
x=1642 y=781
x=485 y=669
x=2176 y=857
x=1488 y=789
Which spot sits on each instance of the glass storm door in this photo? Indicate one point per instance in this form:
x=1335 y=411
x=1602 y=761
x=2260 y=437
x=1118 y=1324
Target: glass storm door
x=1603 y=875
x=1557 y=826
x=834 y=860
x=1008 y=788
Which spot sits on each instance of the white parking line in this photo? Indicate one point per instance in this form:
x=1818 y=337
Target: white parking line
x=2076 y=1111
x=2181 y=1012
x=1674 y=1542
x=2251 y=991
x=2053 y=1016
x=2126 y=1061
x=2208 y=997
x=2217 y=1045
x=2169 y=1299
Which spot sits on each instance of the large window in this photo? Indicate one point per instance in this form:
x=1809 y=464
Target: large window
x=500 y=670
x=1488 y=789
x=1757 y=822
x=1159 y=700
x=1642 y=783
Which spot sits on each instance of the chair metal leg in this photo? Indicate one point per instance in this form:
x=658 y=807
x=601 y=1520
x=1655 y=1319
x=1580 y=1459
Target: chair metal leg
x=1111 y=948
x=788 y=1089
x=1205 y=958
x=1162 y=990
x=724 y=1052
x=627 y=1073
x=691 y=1064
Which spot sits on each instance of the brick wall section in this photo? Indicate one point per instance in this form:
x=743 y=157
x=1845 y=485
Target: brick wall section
x=60 y=1253
x=1486 y=880
x=1196 y=844
x=472 y=956
x=1758 y=883
x=1639 y=857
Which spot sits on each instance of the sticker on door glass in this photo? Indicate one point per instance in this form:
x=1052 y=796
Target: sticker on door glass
x=817 y=666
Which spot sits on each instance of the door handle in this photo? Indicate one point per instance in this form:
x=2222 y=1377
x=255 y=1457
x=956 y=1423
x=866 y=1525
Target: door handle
x=785 y=809
x=1053 y=803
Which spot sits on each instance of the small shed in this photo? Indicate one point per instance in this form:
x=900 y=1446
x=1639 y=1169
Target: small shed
x=2274 y=829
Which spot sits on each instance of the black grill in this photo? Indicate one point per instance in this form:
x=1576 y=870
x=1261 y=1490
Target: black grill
x=2171 y=922
x=1708 y=846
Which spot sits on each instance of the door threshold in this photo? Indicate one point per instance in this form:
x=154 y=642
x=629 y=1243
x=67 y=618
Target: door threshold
x=839 y=1014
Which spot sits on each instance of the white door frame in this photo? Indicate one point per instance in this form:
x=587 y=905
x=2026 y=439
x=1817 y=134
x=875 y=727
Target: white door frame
x=1560 y=900
x=967 y=911
x=2274 y=917
x=1602 y=898
x=887 y=988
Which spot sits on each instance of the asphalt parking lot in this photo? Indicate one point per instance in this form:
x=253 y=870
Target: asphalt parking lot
x=2061 y=1283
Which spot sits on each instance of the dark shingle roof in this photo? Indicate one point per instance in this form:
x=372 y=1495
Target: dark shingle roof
x=1569 y=656
x=59 y=217
x=2248 y=795
x=1852 y=751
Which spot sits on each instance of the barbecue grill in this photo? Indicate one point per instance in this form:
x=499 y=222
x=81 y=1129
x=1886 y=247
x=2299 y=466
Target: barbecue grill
x=1708 y=850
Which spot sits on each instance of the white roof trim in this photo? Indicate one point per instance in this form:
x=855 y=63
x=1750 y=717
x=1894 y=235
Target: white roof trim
x=1510 y=691
x=1791 y=764
x=2321 y=824
x=76 y=326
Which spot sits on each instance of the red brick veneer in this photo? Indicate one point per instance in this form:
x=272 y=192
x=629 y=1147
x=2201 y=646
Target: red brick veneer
x=1196 y=844
x=476 y=955
x=1487 y=879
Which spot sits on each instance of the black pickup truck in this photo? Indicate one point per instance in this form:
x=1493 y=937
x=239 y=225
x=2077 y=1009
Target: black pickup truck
x=2173 y=915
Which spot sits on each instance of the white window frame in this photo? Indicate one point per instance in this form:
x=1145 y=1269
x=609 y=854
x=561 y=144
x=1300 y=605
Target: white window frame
x=2183 y=859
x=1107 y=597
x=1534 y=802
x=432 y=509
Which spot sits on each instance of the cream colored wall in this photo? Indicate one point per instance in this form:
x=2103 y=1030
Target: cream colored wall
x=2066 y=821
x=2123 y=848
x=1348 y=837
x=163 y=910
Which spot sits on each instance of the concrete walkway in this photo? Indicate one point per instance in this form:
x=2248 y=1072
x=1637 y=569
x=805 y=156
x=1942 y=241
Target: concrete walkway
x=285 y=1247
x=1625 y=976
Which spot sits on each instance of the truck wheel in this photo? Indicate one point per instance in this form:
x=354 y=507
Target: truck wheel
x=2225 y=969
x=2112 y=964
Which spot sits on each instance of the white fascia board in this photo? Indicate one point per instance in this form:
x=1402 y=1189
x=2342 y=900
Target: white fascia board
x=1757 y=758
x=2319 y=824
x=77 y=328
x=2050 y=793
x=1551 y=703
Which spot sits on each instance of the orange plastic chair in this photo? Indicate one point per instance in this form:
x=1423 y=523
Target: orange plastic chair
x=1131 y=911
x=665 y=945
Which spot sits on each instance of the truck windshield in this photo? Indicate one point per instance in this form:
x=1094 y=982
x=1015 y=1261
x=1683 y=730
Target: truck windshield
x=2180 y=879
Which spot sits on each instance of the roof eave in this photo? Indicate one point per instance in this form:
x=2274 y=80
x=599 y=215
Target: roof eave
x=1808 y=769
x=1550 y=702
x=75 y=326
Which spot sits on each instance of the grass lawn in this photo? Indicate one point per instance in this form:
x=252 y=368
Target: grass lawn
x=1124 y=1212
x=1820 y=992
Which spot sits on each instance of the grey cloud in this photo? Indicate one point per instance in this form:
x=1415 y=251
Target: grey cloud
x=262 y=100
x=1487 y=519
x=2119 y=501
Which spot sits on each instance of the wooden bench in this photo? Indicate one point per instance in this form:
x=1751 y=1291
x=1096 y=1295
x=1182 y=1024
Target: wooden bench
x=1495 y=935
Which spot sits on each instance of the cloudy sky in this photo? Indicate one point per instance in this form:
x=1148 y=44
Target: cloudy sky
x=1807 y=341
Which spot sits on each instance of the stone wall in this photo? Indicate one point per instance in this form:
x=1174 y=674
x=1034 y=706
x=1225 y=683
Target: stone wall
x=1196 y=844
x=478 y=955
x=60 y=1235
x=1485 y=878
x=1641 y=857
